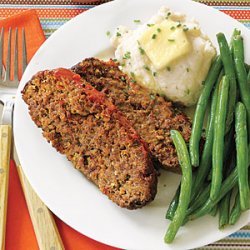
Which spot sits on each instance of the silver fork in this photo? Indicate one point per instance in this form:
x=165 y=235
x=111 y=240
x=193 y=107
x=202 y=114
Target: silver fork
x=45 y=228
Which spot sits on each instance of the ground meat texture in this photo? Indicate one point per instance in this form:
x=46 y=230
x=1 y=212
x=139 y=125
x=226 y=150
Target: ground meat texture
x=151 y=115
x=81 y=123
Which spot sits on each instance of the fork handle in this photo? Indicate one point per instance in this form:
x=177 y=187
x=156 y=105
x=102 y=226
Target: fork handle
x=5 y=148
x=43 y=222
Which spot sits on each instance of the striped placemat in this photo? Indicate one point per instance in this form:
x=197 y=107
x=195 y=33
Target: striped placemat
x=236 y=241
x=54 y=13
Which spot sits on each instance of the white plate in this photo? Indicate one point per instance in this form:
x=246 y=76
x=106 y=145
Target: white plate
x=66 y=191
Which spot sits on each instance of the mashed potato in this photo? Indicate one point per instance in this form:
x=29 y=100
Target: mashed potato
x=169 y=54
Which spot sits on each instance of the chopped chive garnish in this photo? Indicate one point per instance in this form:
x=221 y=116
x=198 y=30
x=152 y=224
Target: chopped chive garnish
x=137 y=21
x=146 y=67
x=142 y=51
x=108 y=33
x=115 y=60
x=132 y=74
x=168 y=68
x=122 y=64
x=150 y=24
x=152 y=96
x=123 y=79
x=154 y=36
x=172 y=28
x=118 y=34
x=127 y=55
x=168 y=15
x=187 y=91
x=158 y=30
x=171 y=40
x=178 y=25
x=155 y=74
x=203 y=83
x=187 y=69
x=185 y=29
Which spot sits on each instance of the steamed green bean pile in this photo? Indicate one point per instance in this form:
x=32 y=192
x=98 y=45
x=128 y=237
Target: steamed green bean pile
x=219 y=183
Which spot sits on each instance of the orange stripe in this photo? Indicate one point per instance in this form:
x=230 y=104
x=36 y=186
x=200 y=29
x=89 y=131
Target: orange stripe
x=44 y=13
x=238 y=14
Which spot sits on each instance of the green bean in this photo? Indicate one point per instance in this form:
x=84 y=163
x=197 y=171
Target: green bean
x=242 y=75
x=205 y=209
x=229 y=145
x=236 y=32
x=194 y=143
x=248 y=78
x=204 y=195
x=236 y=210
x=238 y=47
x=206 y=157
x=226 y=186
x=173 y=205
x=200 y=200
x=242 y=155
x=224 y=210
x=186 y=185
x=230 y=72
x=214 y=211
x=227 y=149
x=218 y=143
x=248 y=164
x=224 y=204
x=209 y=177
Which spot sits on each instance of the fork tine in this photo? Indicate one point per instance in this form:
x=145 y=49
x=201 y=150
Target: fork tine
x=24 y=50
x=16 y=56
x=1 y=54
x=8 y=56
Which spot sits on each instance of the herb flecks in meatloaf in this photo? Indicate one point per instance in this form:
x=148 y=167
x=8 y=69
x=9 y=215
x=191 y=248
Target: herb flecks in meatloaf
x=151 y=115
x=81 y=123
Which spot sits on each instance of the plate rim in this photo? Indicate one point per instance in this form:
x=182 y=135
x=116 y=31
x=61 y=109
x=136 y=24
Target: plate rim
x=41 y=49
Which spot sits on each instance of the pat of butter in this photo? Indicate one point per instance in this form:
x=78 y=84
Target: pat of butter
x=164 y=43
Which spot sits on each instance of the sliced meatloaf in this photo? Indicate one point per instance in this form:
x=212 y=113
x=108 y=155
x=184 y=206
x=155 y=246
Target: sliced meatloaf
x=151 y=115
x=81 y=123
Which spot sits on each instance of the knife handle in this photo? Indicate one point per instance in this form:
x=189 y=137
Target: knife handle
x=5 y=148
x=46 y=231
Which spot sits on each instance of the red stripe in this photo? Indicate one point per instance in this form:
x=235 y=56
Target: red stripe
x=231 y=3
x=238 y=14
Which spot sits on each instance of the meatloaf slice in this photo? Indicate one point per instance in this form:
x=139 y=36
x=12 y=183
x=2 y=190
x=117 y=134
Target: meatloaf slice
x=151 y=115
x=81 y=123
